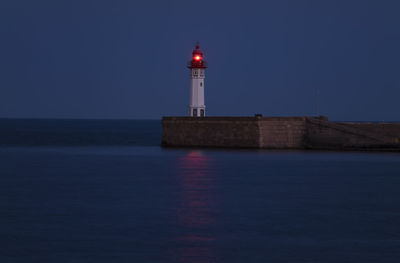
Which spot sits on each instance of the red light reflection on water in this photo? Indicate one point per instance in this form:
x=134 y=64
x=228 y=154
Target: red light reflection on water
x=196 y=209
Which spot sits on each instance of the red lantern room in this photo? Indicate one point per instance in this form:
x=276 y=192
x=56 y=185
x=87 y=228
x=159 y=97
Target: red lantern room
x=197 y=59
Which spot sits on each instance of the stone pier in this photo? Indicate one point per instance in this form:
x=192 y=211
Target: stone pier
x=279 y=133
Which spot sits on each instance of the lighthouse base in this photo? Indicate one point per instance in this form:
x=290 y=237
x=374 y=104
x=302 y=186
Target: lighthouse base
x=279 y=133
x=197 y=111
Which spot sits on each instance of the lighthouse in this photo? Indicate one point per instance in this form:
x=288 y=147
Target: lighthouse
x=197 y=66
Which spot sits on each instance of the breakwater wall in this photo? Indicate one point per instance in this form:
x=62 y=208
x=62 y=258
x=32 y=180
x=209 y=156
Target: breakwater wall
x=279 y=133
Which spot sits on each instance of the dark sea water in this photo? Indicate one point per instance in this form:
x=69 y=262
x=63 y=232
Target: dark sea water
x=104 y=191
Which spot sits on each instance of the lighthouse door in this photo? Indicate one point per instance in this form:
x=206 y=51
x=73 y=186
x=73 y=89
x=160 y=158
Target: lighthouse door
x=201 y=113
x=194 y=112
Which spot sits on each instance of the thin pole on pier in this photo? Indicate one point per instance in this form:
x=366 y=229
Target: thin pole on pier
x=318 y=112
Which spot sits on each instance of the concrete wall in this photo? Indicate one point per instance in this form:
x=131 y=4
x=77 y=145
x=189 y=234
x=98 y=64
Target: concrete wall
x=244 y=132
x=238 y=132
x=278 y=133
x=282 y=132
x=322 y=134
x=388 y=132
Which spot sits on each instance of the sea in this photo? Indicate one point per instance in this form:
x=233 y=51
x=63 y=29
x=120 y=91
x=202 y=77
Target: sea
x=105 y=191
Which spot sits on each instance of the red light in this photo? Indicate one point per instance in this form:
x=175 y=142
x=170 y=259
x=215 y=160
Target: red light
x=197 y=57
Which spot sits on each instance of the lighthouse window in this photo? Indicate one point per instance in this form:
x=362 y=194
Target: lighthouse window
x=201 y=84
x=195 y=112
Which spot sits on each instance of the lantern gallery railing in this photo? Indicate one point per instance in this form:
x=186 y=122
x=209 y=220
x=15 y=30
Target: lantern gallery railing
x=197 y=64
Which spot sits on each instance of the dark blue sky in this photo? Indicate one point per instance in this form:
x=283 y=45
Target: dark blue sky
x=126 y=59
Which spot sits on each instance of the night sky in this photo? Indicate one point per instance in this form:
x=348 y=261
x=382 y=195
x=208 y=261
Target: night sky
x=127 y=59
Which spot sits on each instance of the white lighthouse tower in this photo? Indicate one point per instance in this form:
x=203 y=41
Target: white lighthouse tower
x=197 y=66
